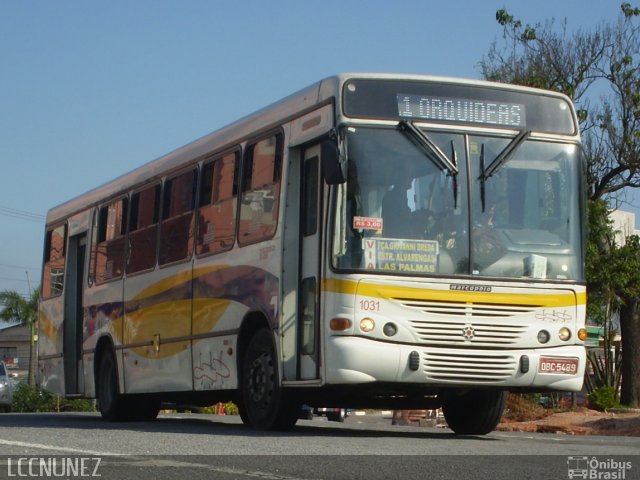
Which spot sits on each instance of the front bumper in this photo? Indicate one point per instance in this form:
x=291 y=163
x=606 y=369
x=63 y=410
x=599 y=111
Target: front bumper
x=352 y=360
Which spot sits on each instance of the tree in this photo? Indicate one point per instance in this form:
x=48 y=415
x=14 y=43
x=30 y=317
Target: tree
x=603 y=298
x=25 y=311
x=626 y=262
x=604 y=59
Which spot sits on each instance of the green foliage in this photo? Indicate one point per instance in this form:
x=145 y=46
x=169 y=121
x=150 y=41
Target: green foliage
x=229 y=408
x=504 y=19
x=628 y=11
x=16 y=307
x=32 y=399
x=599 y=270
x=603 y=398
x=77 y=405
x=27 y=399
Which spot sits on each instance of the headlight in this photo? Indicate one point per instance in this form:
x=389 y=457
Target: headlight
x=564 y=334
x=367 y=324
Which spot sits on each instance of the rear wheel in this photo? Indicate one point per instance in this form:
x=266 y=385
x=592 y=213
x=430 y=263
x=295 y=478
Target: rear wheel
x=265 y=405
x=476 y=412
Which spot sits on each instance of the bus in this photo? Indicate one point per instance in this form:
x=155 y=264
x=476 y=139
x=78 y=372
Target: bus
x=371 y=241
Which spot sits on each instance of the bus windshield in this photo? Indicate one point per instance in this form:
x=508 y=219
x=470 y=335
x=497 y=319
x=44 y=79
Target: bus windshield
x=497 y=214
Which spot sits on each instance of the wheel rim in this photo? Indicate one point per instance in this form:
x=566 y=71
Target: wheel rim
x=261 y=382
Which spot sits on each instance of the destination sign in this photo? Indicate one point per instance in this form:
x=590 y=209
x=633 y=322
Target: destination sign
x=459 y=103
x=461 y=110
x=403 y=256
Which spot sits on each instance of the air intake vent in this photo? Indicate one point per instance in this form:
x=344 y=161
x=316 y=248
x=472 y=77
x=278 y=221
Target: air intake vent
x=469 y=368
x=440 y=332
x=467 y=309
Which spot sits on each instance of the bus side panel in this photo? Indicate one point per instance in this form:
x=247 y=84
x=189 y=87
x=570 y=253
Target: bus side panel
x=50 y=341
x=157 y=330
x=214 y=363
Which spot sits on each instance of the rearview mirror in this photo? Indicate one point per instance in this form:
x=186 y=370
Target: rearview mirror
x=334 y=165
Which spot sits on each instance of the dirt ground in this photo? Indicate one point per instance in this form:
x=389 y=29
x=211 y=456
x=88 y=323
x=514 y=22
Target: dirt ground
x=581 y=422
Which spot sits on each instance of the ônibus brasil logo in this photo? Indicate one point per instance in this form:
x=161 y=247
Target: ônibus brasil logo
x=596 y=468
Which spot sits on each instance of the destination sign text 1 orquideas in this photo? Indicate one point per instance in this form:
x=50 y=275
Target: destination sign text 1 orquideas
x=461 y=110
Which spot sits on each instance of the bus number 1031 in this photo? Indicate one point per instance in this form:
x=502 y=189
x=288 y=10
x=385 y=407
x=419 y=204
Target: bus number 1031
x=370 y=305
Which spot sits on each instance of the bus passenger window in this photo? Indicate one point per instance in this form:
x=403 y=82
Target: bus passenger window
x=217 y=205
x=143 y=229
x=261 y=190
x=176 y=229
x=53 y=273
x=108 y=242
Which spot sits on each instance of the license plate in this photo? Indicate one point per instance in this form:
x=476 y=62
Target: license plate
x=557 y=365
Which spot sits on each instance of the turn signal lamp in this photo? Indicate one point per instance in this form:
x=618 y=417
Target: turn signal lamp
x=583 y=334
x=340 y=324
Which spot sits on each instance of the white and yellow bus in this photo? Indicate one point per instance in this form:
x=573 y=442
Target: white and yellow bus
x=394 y=241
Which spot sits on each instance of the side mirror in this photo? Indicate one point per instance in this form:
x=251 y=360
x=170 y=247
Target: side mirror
x=334 y=165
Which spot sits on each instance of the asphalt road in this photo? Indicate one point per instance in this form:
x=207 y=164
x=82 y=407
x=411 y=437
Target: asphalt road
x=193 y=446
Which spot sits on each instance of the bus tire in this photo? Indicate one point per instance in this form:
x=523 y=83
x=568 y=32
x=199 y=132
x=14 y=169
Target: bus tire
x=476 y=412
x=265 y=404
x=115 y=407
x=111 y=403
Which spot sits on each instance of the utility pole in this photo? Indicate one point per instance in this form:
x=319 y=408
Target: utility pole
x=32 y=348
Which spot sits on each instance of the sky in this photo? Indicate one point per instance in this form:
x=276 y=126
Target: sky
x=89 y=90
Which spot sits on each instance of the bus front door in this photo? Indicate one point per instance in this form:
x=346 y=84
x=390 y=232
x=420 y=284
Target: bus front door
x=73 y=315
x=308 y=341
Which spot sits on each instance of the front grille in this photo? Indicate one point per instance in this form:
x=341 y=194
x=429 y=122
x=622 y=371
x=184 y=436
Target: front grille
x=440 y=332
x=444 y=322
x=467 y=309
x=469 y=368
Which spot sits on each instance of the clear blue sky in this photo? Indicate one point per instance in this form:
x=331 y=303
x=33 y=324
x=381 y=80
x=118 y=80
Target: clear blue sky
x=89 y=90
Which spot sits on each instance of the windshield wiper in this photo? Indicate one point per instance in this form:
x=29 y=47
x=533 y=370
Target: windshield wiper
x=430 y=149
x=504 y=155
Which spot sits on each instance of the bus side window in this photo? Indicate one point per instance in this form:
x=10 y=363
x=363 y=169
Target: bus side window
x=53 y=272
x=261 y=190
x=176 y=228
x=217 y=204
x=143 y=231
x=109 y=242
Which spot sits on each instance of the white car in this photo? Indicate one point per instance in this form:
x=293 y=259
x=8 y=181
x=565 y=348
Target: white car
x=6 y=388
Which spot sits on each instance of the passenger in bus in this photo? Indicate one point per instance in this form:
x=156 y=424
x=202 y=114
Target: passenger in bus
x=396 y=213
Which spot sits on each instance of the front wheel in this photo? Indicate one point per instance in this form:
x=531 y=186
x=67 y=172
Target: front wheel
x=476 y=412
x=265 y=405
x=110 y=401
x=115 y=407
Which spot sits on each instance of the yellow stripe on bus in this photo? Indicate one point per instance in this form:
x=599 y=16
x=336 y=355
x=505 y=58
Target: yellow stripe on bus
x=548 y=300
x=164 y=285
